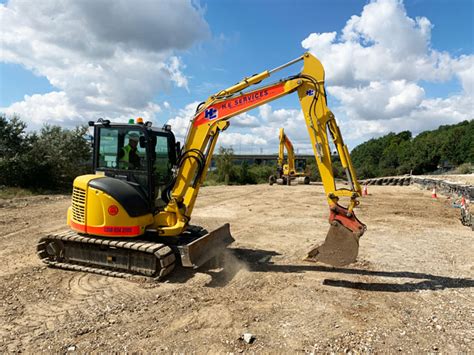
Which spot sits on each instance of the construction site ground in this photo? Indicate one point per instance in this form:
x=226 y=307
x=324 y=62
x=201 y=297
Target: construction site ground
x=410 y=291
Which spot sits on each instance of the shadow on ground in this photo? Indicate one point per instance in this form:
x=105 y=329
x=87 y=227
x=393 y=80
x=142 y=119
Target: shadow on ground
x=257 y=260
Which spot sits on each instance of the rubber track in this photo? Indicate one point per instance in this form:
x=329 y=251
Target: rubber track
x=162 y=252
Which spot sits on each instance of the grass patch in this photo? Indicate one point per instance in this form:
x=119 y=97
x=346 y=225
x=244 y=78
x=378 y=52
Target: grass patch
x=15 y=192
x=465 y=168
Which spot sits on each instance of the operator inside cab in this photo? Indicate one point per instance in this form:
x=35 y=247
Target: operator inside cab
x=128 y=155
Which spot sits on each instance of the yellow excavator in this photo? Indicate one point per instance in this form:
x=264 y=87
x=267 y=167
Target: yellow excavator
x=287 y=172
x=132 y=215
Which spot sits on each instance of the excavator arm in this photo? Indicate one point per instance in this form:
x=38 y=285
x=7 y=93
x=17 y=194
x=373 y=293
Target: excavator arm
x=213 y=116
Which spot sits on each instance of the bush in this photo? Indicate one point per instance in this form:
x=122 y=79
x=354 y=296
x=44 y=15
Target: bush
x=226 y=171
x=245 y=176
x=464 y=169
x=50 y=159
x=261 y=173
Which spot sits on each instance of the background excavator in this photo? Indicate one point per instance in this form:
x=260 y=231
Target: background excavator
x=287 y=172
x=134 y=218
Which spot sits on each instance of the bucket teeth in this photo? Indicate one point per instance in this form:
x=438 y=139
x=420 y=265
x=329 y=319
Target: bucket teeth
x=340 y=248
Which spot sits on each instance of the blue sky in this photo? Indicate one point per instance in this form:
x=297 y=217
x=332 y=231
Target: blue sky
x=219 y=43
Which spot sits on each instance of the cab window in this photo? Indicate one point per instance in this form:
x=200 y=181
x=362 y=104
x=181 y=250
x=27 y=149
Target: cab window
x=161 y=164
x=119 y=148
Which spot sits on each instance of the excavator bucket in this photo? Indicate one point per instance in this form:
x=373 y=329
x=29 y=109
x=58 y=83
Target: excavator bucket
x=341 y=246
x=206 y=247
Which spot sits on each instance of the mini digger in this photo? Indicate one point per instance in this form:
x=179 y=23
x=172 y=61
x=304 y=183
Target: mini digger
x=131 y=217
x=287 y=172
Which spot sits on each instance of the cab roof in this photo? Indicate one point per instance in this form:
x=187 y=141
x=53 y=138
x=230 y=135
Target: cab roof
x=147 y=125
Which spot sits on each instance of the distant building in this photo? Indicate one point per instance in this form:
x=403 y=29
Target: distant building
x=259 y=159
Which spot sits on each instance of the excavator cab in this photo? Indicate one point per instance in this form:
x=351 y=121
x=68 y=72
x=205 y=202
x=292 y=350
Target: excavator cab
x=141 y=155
x=300 y=164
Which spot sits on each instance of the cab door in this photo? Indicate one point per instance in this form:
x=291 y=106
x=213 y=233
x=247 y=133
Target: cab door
x=162 y=162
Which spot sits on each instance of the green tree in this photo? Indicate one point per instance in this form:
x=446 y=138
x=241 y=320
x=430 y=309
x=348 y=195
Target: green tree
x=50 y=159
x=245 y=177
x=14 y=144
x=224 y=164
x=312 y=170
x=60 y=156
x=261 y=172
x=13 y=138
x=400 y=153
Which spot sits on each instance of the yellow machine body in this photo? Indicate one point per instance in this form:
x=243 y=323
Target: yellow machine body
x=95 y=212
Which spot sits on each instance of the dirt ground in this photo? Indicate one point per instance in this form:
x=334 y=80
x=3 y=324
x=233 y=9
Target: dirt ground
x=410 y=291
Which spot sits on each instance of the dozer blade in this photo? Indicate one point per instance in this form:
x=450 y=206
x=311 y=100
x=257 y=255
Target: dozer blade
x=203 y=249
x=340 y=248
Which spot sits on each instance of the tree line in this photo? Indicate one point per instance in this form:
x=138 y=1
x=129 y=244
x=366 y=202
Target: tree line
x=447 y=147
x=46 y=160
x=396 y=154
x=229 y=173
x=51 y=158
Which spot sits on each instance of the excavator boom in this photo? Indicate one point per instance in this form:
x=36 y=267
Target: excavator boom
x=213 y=116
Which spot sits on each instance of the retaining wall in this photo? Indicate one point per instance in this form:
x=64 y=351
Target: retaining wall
x=442 y=186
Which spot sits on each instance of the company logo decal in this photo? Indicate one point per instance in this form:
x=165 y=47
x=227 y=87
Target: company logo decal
x=211 y=114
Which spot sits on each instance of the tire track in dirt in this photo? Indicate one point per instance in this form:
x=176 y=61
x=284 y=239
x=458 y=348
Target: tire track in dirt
x=24 y=225
x=69 y=297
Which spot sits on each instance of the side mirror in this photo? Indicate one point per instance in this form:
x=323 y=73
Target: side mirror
x=142 y=142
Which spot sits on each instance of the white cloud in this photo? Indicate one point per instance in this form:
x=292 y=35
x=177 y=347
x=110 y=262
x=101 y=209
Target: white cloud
x=265 y=111
x=379 y=100
x=245 y=120
x=240 y=139
x=464 y=69
x=180 y=123
x=428 y=115
x=265 y=136
x=385 y=23
x=53 y=108
x=107 y=58
x=56 y=108
x=375 y=68
x=383 y=43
